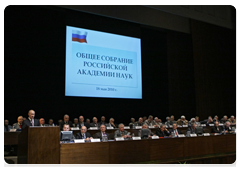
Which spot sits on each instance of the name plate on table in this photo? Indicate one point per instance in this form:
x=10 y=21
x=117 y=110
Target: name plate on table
x=211 y=124
x=203 y=124
x=74 y=128
x=181 y=135
x=184 y=125
x=206 y=134
x=126 y=127
x=119 y=139
x=179 y=126
x=13 y=130
x=193 y=135
x=220 y=124
x=216 y=134
x=155 y=137
x=136 y=138
x=138 y=127
x=79 y=140
x=151 y=127
x=93 y=128
x=110 y=128
x=95 y=140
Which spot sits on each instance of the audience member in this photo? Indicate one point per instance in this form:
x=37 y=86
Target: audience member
x=30 y=121
x=224 y=119
x=7 y=127
x=162 y=131
x=111 y=123
x=18 y=125
x=65 y=121
x=121 y=132
x=95 y=123
x=156 y=122
x=216 y=128
x=232 y=120
x=215 y=119
x=209 y=121
x=102 y=122
x=83 y=134
x=172 y=121
x=192 y=129
x=82 y=123
x=50 y=122
x=101 y=133
x=149 y=132
x=197 y=121
x=42 y=122
x=144 y=118
x=167 y=123
x=227 y=127
x=88 y=121
x=140 y=121
x=59 y=122
x=75 y=122
x=182 y=121
x=66 y=127
x=149 y=121
x=132 y=123
x=175 y=130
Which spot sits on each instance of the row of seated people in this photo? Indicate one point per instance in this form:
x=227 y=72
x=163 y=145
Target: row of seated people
x=156 y=122
x=161 y=132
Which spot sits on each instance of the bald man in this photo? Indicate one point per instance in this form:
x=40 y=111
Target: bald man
x=65 y=121
x=30 y=121
x=18 y=125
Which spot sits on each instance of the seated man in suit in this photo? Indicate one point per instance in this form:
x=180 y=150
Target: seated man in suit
x=66 y=127
x=232 y=120
x=132 y=122
x=7 y=127
x=157 y=122
x=65 y=121
x=175 y=130
x=149 y=121
x=42 y=122
x=88 y=121
x=216 y=128
x=18 y=125
x=215 y=119
x=167 y=123
x=50 y=122
x=111 y=123
x=172 y=120
x=95 y=123
x=83 y=134
x=140 y=121
x=182 y=121
x=227 y=127
x=102 y=121
x=101 y=133
x=75 y=122
x=162 y=131
x=121 y=132
x=192 y=129
x=30 y=121
x=82 y=123
x=224 y=119
x=209 y=121
x=149 y=133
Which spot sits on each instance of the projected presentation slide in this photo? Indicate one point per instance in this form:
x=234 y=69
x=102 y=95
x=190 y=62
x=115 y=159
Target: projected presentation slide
x=100 y=64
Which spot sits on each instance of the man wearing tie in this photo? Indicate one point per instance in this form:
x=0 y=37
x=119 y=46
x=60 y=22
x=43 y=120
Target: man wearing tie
x=192 y=129
x=83 y=134
x=95 y=123
x=121 y=132
x=30 y=121
x=101 y=133
x=175 y=130
x=216 y=128
x=65 y=121
x=18 y=125
x=42 y=122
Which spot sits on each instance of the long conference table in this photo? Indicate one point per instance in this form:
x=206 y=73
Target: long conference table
x=40 y=145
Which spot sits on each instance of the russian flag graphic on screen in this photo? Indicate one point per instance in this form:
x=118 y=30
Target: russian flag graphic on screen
x=79 y=36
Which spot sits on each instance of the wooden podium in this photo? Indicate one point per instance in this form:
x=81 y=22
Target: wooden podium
x=39 y=145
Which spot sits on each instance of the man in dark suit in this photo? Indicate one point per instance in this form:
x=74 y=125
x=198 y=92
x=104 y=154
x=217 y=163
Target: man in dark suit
x=42 y=122
x=75 y=122
x=111 y=123
x=30 y=121
x=162 y=131
x=121 y=132
x=83 y=134
x=94 y=123
x=175 y=130
x=65 y=121
x=82 y=123
x=192 y=129
x=103 y=121
x=140 y=121
x=216 y=128
x=101 y=133
x=6 y=126
x=224 y=119
x=227 y=127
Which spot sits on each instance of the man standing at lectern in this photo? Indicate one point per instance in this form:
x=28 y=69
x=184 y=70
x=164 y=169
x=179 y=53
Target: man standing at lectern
x=30 y=121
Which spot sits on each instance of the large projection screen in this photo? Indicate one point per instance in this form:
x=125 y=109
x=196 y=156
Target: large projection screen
x=100 y=64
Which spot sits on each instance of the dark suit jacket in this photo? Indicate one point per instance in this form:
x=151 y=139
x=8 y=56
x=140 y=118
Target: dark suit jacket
x=99 y=135
x=191 y=130
x=79 y=135
x=110 y=125
x=7 y=129
x=162 y=134
x=229 y=129
x=69 y=122
x=93 y=125
x=28 y=123
x=85 y=124
x=214 y=129
x=178 y=131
